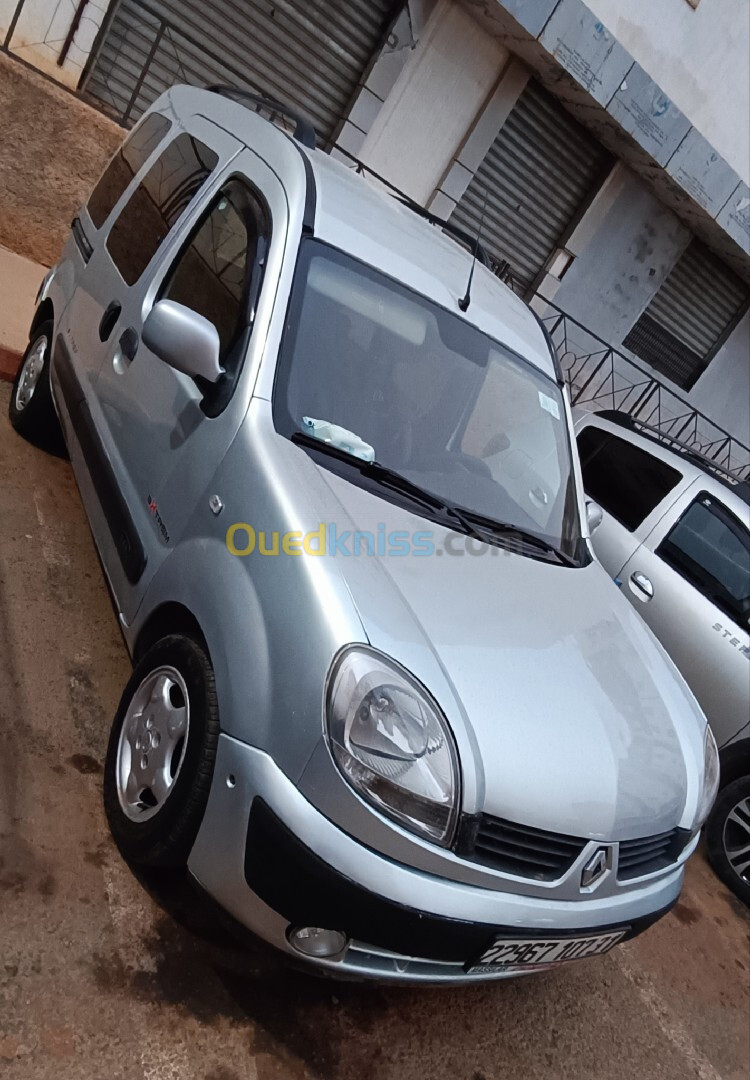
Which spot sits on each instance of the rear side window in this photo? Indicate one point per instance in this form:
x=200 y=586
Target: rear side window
x=158 y=203
x=711 y=549
x=127 y=163
x=625 y=480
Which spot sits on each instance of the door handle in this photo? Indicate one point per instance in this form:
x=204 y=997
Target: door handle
x=109 y=320
x=125 y=352
x=641 y=586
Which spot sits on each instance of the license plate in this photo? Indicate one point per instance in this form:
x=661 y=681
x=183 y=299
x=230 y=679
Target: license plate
x=534 y=952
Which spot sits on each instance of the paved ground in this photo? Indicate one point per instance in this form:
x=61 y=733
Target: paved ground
x=100 y=979
x=20 y=279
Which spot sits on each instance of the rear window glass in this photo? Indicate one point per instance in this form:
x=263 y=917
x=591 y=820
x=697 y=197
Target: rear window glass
x=625 y=480
x=127 y=162
x=158 y=203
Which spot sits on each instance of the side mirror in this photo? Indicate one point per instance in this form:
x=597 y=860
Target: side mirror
x=183 y=339
x=594 y=515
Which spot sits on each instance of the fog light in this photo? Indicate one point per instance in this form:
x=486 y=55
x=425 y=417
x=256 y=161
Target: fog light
x=314 y=941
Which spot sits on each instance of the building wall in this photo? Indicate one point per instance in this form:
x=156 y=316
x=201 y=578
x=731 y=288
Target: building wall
x=699 y=56
x=628 y=256
x=723 y=390
x=629 y=253
x=443 y=86
x=627 y=241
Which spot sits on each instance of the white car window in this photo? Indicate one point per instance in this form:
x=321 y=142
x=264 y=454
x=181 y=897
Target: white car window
x=711 y=549
x=624 y=479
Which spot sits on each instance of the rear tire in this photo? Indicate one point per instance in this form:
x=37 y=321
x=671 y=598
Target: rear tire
x=728 y=833
x=31 y=410
x=161 y=754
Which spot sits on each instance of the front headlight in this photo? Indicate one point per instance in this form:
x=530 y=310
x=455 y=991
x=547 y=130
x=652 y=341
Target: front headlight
x=391 y=742
x=710 y=779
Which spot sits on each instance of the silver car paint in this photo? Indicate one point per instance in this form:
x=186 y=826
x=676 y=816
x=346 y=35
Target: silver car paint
x=217 y=863
x=566 y=713
x=478 y=629
x=183 y=339
x=683 y=620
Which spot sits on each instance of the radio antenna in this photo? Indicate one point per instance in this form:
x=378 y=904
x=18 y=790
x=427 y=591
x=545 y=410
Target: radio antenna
x=464 y=302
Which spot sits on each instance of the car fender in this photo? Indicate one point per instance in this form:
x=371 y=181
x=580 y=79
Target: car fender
x=270 y=687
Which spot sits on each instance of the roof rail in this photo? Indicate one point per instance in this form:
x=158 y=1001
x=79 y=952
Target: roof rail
x=304 y=131
x=470 y=241
x=655 y=434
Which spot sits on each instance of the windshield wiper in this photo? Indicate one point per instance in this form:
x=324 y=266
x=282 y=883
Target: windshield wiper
x=478 y=526
x=387 y=477
x=502 y=529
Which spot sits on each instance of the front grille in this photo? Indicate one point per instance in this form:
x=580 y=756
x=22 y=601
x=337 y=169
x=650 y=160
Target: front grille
x=539 y=855
x=518 y=849
x=650 y=853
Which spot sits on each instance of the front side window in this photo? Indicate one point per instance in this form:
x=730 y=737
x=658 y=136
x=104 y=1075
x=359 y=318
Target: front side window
x=127 y=163
x=711 y=549
x=624 y=479
x=158 y=203
x=219 y=269
x=437 y=400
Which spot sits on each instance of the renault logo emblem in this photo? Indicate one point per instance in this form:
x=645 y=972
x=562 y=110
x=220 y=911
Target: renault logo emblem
x=595 y=868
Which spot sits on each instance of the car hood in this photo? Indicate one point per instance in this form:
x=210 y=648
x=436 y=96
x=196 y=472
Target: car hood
x=567 y=712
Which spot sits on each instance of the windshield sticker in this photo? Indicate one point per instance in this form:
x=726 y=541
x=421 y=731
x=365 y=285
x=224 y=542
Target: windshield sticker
x=549 y=405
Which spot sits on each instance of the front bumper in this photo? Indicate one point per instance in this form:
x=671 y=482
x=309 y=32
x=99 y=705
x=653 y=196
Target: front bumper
x=273 y=861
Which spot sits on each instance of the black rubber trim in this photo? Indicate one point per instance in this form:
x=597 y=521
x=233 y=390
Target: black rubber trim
x=305 y=891
x=553 y=351
x=311 y=196
x=118 y=517
x=72 y=391
x=83 y=243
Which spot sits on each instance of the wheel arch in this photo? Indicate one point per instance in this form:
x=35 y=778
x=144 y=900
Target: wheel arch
x=44 y=313
x=169 y=618
x=734 y=761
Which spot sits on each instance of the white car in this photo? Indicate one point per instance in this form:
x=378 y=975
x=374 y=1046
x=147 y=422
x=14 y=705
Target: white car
x=675 y=531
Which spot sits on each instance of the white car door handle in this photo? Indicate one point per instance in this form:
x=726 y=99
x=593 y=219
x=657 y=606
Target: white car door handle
x=641 y=586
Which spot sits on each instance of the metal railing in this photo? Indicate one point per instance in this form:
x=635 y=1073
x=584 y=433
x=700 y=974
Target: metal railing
x=601 y=377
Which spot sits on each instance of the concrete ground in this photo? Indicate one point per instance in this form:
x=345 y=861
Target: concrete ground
x=20 y=279
x=104 y=976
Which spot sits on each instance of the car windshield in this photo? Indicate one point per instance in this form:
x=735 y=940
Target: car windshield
x=424 y=393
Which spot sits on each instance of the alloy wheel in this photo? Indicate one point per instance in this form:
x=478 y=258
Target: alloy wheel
x=153 y=738
x=32 y=368
x=736 y=838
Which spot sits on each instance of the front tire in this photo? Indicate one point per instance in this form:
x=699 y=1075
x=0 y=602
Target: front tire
x=31 y=410
x=728 y=837
x=161 y=754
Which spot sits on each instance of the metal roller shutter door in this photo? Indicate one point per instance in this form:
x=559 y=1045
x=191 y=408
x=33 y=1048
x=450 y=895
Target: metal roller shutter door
x=688 y=318
x=310 y=53
x=536 y=177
